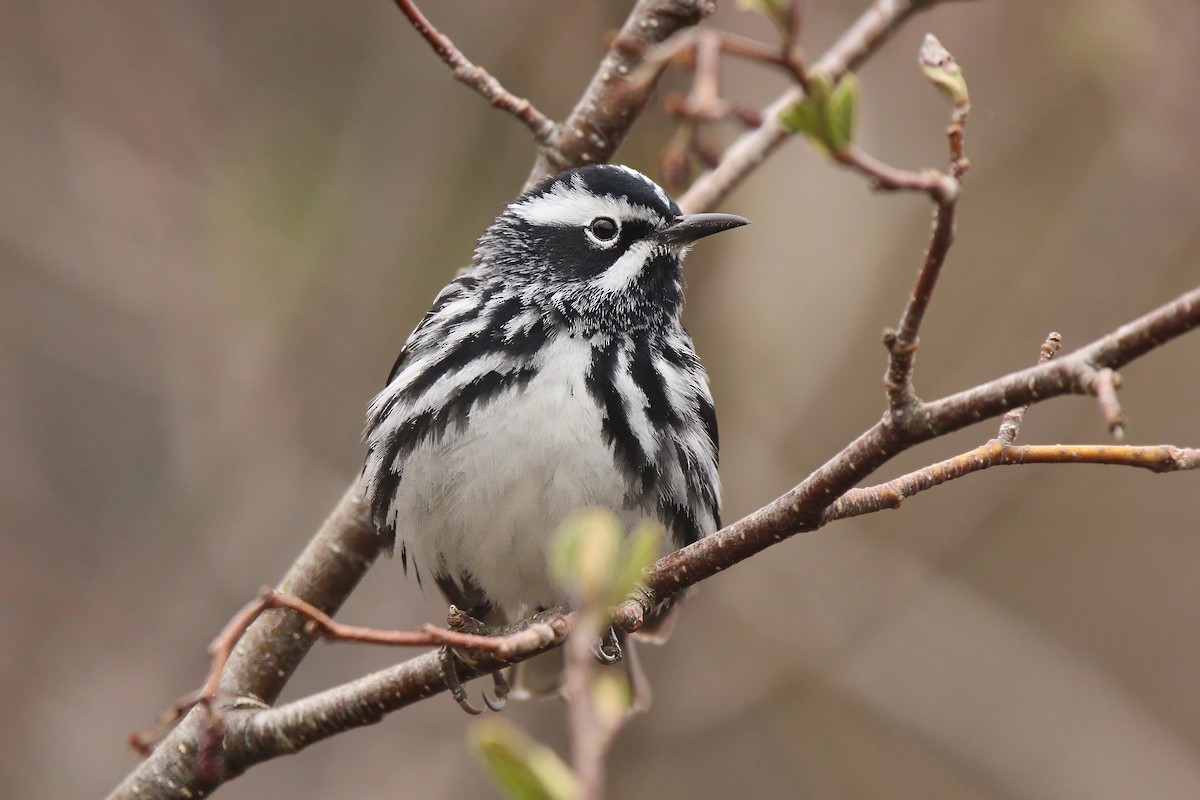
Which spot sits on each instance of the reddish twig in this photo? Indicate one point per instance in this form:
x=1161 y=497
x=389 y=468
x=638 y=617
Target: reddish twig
x=220 y=648
x=1010 y=423
x=789 y=49
x=675 y=160
x=682 y=48
x=956 y=133
x=703 y=104
x=1104 y=387
x=944 y=191
x=527 y=638
x=477 y=77
x=705 y=98
x=940 y=188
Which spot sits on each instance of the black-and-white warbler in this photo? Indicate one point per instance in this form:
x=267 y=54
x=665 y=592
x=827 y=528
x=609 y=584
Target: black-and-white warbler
x=552 y=375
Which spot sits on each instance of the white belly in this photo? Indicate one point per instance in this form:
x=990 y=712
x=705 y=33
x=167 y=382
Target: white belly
x=487 y=500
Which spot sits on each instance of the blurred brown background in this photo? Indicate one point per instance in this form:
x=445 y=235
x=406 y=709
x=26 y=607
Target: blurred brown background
x=220 y=220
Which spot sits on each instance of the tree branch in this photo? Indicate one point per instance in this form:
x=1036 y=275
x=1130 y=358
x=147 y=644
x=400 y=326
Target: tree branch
x=200 y=753
x=253 y=733
x=270 y=651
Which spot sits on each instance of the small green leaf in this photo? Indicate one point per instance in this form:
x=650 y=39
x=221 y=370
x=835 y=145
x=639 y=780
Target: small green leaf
x=641 y=549
x=827 y=113
x=944 y=72
x=585 y=557
x=805 y=116
x=520 y=767
x=800 y=118
x=843 y=109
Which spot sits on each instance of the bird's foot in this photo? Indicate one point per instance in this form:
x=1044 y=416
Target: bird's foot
x=450 y=658
x=607 y=648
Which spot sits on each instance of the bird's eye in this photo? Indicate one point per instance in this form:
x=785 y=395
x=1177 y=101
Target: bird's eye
x=603 y=229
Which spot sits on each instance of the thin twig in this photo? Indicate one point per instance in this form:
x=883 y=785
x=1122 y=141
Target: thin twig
x=1010 y=423
x=526 y=637
x=477 y=77
x=940 y=188
x=790 y=47
x=587 y=734
x=944 y=190
x=1156 y=458
x=705 y=97
x=703 y=104
x=681 y=47
x=868 y=33
x=902 y=342
x=1105 y=388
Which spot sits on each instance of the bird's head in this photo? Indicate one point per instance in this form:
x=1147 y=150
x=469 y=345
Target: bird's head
x=598 y=248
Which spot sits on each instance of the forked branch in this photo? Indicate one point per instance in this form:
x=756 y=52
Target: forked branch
x=247 y=731
x=803 y=508
x=253 y=733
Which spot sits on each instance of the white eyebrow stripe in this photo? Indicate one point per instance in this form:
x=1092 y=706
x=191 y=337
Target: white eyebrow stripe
x=576 y=207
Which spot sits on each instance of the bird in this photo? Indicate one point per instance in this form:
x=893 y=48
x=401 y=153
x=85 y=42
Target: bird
x=553 y=374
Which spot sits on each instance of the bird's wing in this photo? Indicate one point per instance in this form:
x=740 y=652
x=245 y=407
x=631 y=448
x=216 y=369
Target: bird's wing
x=451 y=292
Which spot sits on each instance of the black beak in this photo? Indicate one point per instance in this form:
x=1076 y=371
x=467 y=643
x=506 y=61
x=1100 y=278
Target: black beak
x=690 y=227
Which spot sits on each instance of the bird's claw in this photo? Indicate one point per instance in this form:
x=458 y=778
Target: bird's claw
x=449 y=662
x=607 y=648
x=449 y=659
x=501 y=688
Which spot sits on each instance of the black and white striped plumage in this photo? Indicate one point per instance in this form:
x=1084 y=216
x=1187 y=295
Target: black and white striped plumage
x=553 y=375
